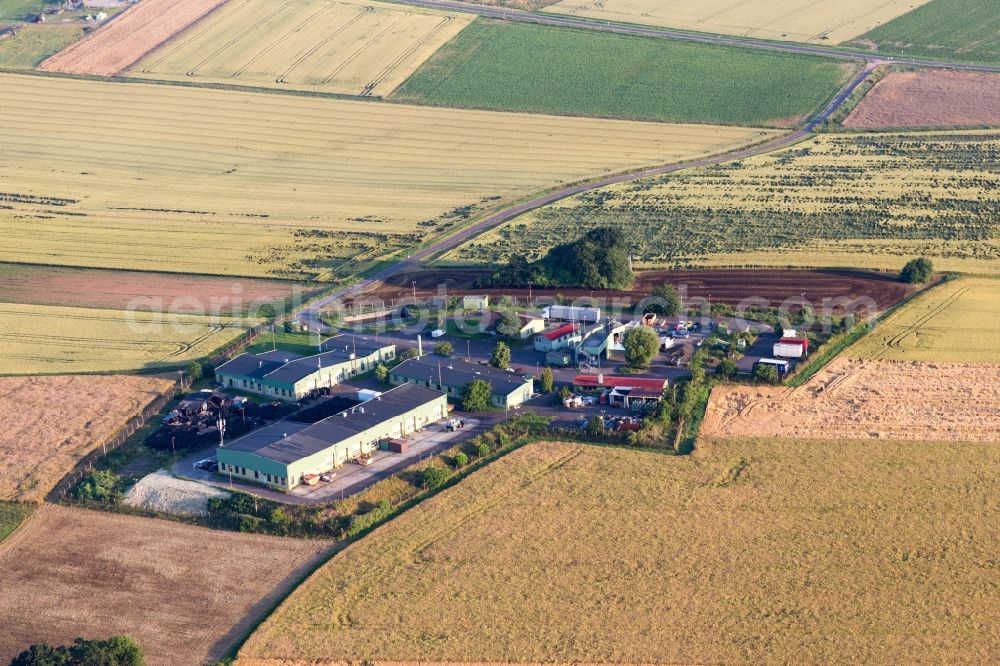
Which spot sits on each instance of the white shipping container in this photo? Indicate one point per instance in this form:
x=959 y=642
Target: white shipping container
x=786 y=350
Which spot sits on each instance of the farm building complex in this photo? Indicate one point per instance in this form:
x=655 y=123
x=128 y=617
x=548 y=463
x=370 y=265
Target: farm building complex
x=287 y=376
x=452 y=375
x=281 y=454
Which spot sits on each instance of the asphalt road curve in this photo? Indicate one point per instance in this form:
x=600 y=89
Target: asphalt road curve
x=309 y=315
x=666 y=33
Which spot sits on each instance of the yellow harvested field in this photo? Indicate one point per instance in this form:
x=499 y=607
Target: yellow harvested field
x=50 y=423
x=958 y=321
x=186 y=594
x=752 y=552
x=350 y=47
x=168 y=181
x=855 y=399
x=125 y=39
x=821 y=21
x=47 y=339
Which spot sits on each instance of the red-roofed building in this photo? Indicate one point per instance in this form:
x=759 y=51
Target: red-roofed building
x=640 y=394
x=555 y=339
x=620 y=381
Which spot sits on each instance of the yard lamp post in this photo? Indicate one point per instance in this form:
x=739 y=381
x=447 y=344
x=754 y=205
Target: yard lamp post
x=414 y=283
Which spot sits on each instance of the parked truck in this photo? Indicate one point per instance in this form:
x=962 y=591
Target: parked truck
x=791 y=348
x=571 y=313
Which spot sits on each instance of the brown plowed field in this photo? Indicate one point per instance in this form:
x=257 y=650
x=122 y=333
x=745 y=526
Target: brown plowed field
x=185 y=593
x=116 y=290
x=50 y=423
x=855 y=399
x=720 y=286
x=937 y=98
x=127 y=38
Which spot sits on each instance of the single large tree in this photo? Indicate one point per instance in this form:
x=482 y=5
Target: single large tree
x=509 y=324
x=548 y=380
x=501 y=356
x=476 y=396
x=641 y=346
x=917 y=270
x=664 y=300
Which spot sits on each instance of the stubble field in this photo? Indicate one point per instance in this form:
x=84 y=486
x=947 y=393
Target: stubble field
x=745 y=552
x=50 y=423
x=45 y=339
x=121 y=42
x=348 y=47
x=864 y=201
x=854 y=399
x=298 y=187
x=186 y=594
x=957 y=322
x=822 y=21
x=931 y=98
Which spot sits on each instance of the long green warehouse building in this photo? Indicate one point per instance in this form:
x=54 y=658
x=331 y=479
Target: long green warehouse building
x=280 y=454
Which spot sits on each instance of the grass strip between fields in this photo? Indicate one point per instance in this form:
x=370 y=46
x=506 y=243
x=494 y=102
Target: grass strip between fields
x=12 y=514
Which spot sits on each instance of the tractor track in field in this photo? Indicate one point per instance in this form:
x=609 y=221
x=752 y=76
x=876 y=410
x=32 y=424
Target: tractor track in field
x=309 y=315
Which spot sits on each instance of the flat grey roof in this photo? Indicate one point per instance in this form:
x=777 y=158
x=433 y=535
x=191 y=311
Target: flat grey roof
x=286 y=442
x=456 y=372
x=288 y=367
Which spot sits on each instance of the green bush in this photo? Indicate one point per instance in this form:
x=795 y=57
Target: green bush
x=766 y=374
x=364 y=521
x=483 y=449
x=99 y=486
x=444 y=349
x=434 y=477
x=460 y=460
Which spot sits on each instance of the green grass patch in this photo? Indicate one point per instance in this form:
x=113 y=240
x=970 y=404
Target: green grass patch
x=542 y=69
x=35 y=42
x=967 y=30
x=12 y=514
x=298 y=343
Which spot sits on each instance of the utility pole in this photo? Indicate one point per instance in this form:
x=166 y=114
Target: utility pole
x=414 y=283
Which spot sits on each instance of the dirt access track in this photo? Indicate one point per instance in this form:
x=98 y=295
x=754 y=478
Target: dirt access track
x=856 y=399
x=719 y=286
x=937 y=98
x=187 y=594
x=129 y=36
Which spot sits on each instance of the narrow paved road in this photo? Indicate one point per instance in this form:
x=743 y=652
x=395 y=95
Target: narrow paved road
x=309 y=315
x=666 y=33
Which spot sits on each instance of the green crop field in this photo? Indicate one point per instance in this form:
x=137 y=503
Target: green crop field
x=523 y=67
x=966 y=30
x=188 y=180
x=752 y=552
x=41 y=339
x=35 y=42
x=958 y=321
x=864 y=201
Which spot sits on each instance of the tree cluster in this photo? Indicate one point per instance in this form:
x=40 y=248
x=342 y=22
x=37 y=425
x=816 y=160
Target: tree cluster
x=115 y=651
x=598 y=260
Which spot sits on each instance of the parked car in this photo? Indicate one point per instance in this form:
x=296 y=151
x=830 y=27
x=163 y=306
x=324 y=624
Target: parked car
x=328 y=477
x=203 y=464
